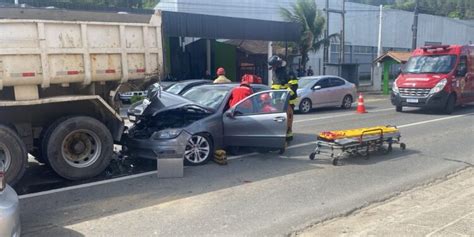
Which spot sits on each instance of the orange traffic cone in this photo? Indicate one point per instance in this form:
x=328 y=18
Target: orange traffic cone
x=360 y=105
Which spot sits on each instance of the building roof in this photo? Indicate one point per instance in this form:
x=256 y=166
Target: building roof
x=180 y=24
x=400 y=57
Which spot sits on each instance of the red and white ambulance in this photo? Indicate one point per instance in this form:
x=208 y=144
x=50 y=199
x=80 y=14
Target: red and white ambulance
x=437 y=77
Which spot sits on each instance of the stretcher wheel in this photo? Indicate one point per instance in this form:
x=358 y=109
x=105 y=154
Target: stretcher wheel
x=312 y=156
x=403 y=146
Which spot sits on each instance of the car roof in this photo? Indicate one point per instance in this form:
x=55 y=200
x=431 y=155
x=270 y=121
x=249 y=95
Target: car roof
x=193 y=81
x=228 y=85
x=320 y=77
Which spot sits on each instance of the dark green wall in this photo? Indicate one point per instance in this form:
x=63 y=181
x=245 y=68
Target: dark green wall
x=225 y=56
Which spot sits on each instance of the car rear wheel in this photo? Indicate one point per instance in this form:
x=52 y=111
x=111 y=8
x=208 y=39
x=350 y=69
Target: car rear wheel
x=305 y=106
x=198 y=150
x=347 y=102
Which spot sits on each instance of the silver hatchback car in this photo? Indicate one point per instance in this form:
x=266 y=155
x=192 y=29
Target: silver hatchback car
x=324 y=91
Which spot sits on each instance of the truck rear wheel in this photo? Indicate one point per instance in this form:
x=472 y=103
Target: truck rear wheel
x=13 y=153
x=79 y=148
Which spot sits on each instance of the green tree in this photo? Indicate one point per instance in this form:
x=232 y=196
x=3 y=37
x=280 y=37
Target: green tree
x=306 y=13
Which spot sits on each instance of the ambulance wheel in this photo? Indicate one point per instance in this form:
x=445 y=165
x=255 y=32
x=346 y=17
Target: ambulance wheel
x=403 y=146
x=450 y=105
x=399 y=108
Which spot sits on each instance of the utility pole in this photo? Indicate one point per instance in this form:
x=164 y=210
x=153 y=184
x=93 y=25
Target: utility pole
x=415 y=26
x=343 y=32
x=379 y=44
x=326 y=35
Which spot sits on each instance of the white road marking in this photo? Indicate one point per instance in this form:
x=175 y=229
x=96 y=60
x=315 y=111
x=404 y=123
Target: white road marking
x=434 y=120
x=241 y=156
x=25 y=196
x=340 y=115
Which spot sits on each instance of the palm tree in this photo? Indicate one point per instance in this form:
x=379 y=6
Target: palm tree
x=306 y=13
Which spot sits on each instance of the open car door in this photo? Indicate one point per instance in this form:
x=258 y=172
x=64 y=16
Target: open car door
x=259 y=120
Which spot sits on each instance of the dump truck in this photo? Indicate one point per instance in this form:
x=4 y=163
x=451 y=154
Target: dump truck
x=58 y=81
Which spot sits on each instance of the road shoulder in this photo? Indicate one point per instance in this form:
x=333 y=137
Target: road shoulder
x=443 y=208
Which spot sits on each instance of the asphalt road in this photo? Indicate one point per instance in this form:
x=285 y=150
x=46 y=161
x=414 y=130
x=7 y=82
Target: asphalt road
x=263 y=194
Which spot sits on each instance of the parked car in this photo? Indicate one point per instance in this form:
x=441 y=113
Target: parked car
x=195 y=124
x=183 y=86
x=9 y=207
x=324 y=91
x=126 y=97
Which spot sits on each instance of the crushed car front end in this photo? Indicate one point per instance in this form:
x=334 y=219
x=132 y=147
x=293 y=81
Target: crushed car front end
x=161 y=128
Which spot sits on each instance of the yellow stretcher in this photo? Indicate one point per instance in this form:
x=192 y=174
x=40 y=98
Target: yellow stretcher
x=359 y=142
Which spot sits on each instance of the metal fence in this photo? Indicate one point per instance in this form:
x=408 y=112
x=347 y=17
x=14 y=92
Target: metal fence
x=58 y=4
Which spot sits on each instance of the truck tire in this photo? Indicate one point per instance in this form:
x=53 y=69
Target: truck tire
x=43 y=158
x=79 y=148
x=13 y=153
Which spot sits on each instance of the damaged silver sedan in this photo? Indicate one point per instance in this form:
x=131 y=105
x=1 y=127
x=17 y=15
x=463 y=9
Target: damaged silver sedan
x=196 y=124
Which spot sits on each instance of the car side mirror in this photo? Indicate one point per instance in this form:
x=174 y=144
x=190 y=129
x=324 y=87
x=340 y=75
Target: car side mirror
x=462 y=71
x=230 y=113
x=316 y=88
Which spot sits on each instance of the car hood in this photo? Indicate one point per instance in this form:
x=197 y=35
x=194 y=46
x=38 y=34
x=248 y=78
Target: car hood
x=419 y=80
x=162 y=101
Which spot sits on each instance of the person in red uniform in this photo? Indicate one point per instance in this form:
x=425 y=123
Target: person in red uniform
x=266 y=103
x=240 y=93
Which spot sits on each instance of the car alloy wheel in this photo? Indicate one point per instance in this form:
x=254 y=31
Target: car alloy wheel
x=198 y=150
x=305 y=106
x=347 y=102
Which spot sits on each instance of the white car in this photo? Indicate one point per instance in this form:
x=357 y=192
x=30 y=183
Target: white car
x=324 y=91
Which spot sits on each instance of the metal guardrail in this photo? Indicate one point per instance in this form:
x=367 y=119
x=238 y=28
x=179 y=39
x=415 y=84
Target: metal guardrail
x=58 y=4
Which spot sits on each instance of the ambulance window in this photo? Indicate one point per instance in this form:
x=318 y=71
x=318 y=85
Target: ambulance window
x=462 y=67
x=463 y=61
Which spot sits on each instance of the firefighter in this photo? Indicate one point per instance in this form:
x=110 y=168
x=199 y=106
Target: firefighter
x=239 y=93
x=281 y=81
x=221 y=79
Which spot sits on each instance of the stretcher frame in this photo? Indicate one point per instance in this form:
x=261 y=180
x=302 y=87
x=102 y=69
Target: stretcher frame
x=362 y=146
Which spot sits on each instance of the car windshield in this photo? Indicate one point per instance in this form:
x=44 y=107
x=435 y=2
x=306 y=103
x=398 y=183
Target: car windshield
x=430 y=64
x=176 y=88
x=302 y=83
x=210 y=97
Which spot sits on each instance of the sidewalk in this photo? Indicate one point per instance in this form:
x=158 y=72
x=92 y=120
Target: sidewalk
x=445 y=208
